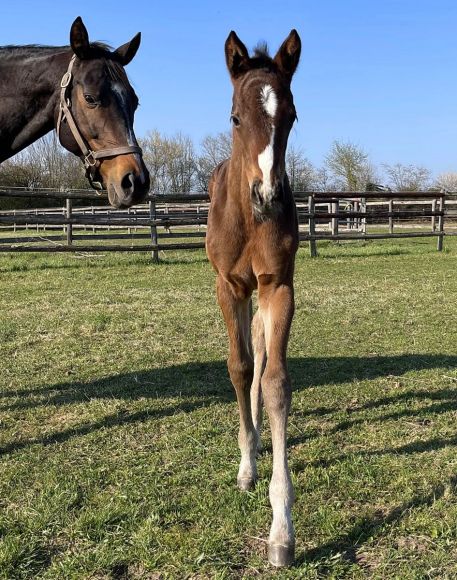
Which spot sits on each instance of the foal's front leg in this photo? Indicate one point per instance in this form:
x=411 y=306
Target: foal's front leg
x=276 y=305
x=237 y=315
x=258 y=344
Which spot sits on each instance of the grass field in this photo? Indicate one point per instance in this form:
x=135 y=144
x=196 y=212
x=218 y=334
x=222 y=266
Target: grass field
x=118 y=424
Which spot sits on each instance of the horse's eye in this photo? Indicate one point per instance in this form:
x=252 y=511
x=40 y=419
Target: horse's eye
x=90 y=100
x=235 y=120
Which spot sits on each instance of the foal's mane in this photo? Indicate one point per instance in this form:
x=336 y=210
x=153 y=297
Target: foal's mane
x=262 y=58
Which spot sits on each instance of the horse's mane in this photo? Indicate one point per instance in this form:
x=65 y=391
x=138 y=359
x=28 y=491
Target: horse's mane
x=262 y=58
x=97 y=50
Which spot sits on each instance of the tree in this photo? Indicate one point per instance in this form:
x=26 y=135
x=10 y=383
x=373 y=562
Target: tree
x=407 y=177
x=350 y=166
x=171 y=162
x=447 y=181
x=214 y=150
x=300 y=171
x=45 y=164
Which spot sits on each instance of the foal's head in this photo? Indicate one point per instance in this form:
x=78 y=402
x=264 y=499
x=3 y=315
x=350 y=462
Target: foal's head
x=103 y=104
x=263 y=113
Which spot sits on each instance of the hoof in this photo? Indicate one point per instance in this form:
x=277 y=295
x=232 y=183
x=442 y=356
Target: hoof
x=246 y=483
x=279 y=555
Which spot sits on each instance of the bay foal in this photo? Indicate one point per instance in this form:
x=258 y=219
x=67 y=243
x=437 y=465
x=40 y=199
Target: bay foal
x=251 y=241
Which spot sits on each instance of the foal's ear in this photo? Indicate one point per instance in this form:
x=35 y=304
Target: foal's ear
x=127 y=51
x=79 y=39
x=236 y=56
x=288 y=55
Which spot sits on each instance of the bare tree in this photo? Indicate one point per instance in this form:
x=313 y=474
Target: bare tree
x=171 y=162
x=300 y=171
x=447 y=181
x=349 y=165
x=214 y=150
x=44 y=164
x=155 y=151
x=407 y=177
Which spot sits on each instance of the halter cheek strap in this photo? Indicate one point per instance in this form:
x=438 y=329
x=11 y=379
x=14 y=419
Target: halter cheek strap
x=90 y=157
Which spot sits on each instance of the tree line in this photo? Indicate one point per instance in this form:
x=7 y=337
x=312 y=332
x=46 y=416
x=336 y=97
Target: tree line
x=177 y=165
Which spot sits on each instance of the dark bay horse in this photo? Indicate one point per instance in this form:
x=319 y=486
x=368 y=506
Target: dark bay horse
x=251 y=241
x=83 y=92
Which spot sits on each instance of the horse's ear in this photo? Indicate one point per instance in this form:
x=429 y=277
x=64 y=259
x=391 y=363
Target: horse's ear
x=236 y=55
x=288 y=55
x=79 y=39
x=127 y=51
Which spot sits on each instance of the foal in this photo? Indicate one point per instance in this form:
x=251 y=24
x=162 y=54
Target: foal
x=251 y=241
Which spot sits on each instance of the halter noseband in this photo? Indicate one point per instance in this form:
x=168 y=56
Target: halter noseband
x=90 y=157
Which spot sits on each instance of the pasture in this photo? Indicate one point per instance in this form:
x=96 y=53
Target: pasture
x=118 y=423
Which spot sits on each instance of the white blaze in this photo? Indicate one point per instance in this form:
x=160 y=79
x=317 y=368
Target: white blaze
x=266 y=165
x=131 y=140
x=269 y=100
x=266 y=158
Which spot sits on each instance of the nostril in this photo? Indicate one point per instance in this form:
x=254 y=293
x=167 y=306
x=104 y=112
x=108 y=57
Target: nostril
x=255 y=192
x=128 y=183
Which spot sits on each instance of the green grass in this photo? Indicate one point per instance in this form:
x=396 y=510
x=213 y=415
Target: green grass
x=118 y=426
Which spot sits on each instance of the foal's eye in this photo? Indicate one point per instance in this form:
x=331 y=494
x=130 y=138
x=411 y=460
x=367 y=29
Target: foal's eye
x=90 y=100
x=235 y=120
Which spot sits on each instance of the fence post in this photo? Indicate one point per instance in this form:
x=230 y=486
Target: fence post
x=355 y=220
x=441 y=223
x=335 y=210
x=154 y=237
x=69 y=226
x=312 y=226
x=363 y=207
x=433 y=216
x=391 y=217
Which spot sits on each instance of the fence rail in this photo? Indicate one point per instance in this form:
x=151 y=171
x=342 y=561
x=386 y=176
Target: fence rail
x=333 y=216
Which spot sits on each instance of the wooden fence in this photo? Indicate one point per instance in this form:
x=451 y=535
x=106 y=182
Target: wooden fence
x=169 y=222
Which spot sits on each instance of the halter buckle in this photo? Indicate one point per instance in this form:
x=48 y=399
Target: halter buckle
x=66 y=80
x=89 y=160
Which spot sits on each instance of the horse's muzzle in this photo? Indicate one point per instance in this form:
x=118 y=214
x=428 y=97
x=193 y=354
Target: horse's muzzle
x=128 y=190
x=264 y=201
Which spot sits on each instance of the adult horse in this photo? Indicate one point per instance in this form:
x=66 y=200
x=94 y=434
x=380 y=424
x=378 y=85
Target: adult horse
x=83 y=92
x=251 y=241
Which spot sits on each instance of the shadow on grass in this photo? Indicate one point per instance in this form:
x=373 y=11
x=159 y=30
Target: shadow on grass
x=185 y=388
x=370 y=526
x=210 y=380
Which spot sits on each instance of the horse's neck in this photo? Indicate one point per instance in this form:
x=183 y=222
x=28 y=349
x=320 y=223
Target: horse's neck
x=29 y=95
x=238 y=182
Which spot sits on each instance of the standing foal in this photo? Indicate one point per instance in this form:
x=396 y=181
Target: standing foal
x=251 y=242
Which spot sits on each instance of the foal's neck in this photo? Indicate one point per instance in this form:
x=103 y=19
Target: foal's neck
x=29 y=94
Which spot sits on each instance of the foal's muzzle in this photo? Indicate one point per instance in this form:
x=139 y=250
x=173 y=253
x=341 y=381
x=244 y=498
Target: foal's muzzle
x=263 y=200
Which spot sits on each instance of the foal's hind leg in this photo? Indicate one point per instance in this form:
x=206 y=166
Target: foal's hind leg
x=237 y=315
x=258 y=344
x=277 y=307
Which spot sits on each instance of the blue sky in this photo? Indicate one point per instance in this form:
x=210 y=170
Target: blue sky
x=382 y=74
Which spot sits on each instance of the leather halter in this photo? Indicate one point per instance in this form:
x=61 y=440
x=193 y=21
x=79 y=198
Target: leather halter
x=90 y=158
